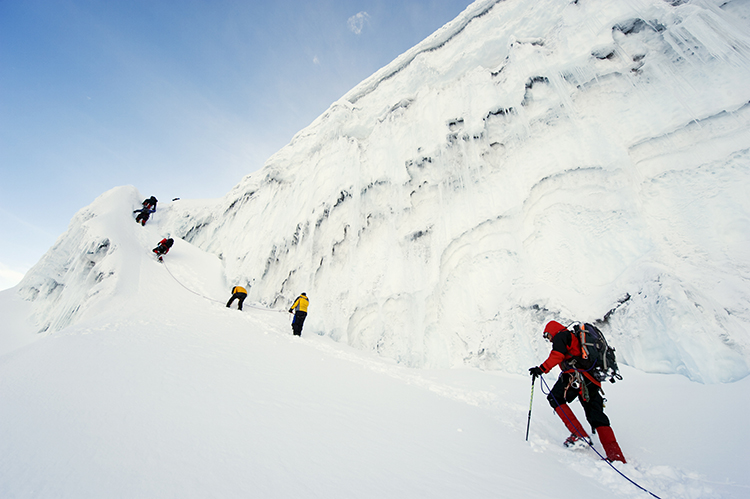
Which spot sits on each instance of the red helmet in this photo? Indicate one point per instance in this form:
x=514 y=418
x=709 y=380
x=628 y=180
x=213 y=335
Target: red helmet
x=552 y=328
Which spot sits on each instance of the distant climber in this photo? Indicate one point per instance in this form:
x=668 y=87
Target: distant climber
x=299 y=308
x=238 y=293
x=163 y=247
x=576 y=383
x=150 y=203
x=143 y=215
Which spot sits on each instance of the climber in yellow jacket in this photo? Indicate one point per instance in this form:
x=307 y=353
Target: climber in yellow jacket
x=238 y=293
x=300 y=312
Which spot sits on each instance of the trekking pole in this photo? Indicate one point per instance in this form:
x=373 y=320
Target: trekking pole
x=531 y=401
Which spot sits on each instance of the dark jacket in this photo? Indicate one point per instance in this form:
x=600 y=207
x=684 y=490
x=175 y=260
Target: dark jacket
x=165 y=244
x=566 y=350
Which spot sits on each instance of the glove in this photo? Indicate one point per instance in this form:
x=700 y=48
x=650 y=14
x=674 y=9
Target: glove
x=290 y=310
x=536 y=371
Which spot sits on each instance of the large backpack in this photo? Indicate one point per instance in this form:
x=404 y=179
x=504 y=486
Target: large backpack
x=597 y=356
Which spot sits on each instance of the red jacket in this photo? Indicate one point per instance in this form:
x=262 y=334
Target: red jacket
x=565 y=347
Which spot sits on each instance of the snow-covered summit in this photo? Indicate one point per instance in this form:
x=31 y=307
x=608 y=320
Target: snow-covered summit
x=87 y=266
x=532 y=160
x=103 y=262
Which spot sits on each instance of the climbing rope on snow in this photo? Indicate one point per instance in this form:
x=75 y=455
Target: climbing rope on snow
x=178 y=282
x=590 y=444
x=209 y=298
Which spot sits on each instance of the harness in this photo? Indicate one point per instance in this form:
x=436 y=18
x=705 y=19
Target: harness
x=576 y=382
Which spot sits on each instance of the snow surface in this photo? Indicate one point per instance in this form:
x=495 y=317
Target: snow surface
x=532 y=160
x=164 y=392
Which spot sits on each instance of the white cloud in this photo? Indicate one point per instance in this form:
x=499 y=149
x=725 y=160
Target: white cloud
x=316 y=60
x=357 y=22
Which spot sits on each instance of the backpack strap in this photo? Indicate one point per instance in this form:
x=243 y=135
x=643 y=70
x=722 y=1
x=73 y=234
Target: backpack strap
x=580 y=331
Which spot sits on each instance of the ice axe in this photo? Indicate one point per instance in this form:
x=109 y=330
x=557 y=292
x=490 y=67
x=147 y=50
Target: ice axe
x=531 y=401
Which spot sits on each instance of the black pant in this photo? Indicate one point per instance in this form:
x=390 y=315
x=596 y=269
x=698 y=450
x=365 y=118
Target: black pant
x=593 y=407
x=237 y=296
x=299 y=319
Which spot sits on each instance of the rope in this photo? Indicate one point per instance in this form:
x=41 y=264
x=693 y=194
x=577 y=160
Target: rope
x=211 y=299
x=590 y=444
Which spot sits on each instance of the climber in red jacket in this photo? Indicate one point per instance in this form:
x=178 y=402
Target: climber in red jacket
x=163 y=247
x=576 y=383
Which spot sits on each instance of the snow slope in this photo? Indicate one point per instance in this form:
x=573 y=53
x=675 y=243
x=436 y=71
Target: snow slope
x=533 y=159
x=166 y=393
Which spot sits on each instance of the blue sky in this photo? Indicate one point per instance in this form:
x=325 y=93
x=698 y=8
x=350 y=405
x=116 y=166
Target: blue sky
x=180 y=99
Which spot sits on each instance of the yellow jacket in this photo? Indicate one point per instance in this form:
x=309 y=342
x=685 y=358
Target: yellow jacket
x=238 y=289
x=300 y=304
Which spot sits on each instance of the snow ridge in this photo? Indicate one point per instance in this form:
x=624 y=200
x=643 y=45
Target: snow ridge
x=433 y=42
x=87 y=266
